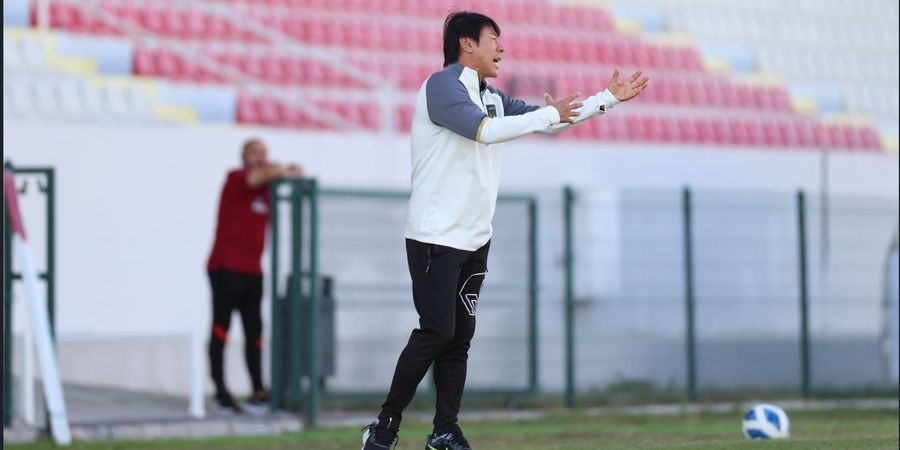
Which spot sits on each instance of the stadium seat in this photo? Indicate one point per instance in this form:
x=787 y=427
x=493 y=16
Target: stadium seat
x=246 y=110
x=870 y=138
x=790 y=136
x=704 y=127
x=270 y=112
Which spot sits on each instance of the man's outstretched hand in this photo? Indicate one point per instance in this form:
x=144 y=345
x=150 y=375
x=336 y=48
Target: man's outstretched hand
x=566 y=107
x=627 y=89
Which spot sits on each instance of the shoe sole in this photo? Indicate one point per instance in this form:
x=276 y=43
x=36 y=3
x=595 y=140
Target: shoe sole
x=364 y=439
x=256 y=410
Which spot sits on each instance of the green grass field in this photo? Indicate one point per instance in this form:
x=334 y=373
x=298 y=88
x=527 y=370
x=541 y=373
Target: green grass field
x=839 y=429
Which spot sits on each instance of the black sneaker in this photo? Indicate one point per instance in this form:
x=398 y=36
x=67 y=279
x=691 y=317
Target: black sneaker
x=454 y=440
x=225 y=401
x=259 y=398
x=378 y=438
x=258 y=403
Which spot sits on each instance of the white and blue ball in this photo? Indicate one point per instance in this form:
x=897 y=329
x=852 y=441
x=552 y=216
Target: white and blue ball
x=766 y=421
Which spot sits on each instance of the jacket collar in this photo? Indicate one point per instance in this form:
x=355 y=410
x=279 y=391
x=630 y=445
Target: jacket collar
x=470 y=80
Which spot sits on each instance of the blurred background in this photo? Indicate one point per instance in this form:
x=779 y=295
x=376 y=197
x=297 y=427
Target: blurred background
x=663 y=252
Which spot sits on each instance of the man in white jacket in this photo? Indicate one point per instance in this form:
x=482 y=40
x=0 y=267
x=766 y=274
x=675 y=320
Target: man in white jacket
x=457 y=127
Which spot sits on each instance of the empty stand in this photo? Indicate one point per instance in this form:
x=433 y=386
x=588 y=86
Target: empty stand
x=554 y=48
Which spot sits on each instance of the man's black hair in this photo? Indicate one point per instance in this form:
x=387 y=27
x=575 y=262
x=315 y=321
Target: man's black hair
x=460 y=24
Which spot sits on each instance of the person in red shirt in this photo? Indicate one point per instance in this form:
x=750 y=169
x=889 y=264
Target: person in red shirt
x=234 y=267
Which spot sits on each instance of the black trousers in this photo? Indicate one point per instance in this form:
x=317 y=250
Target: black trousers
x=446 y=283
x=243 y=292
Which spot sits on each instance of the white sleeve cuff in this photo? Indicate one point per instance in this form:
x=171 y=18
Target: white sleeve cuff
x=552 y=113
x=607 y=99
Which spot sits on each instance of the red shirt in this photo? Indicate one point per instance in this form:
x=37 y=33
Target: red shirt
x=241 y=229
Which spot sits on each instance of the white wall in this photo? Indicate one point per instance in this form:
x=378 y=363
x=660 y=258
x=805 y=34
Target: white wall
x=136 y=204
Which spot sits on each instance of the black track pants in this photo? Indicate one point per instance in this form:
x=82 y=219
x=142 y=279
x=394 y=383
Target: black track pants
x=446 y=284
x=243 y=292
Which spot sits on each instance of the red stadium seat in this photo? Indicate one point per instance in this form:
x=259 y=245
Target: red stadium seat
x=190 y=70
x=689 y=130
x=671 y=132
x=196 y=24
x=294 y=118
x=870 y=138
x=369 y=115
x=730 y=96
x=404 y=118
x=780 y=99
x=745 y=97
x=722 y=131
x=705 y=132
x=656 y=56
x=168 y=64
x=822 y=138
x=62 y=16
x=689 y=59
x=294 y=71
x=143 y=62
x=653 y=127
x=271 y=112
x=837 y=136
x=681 y=94
x=806 y=133
x=739 y=131
x=660 y=91
x=250 y=65
x=757 y=134
x=697 y=90
x=247 y=110
x=789 y=133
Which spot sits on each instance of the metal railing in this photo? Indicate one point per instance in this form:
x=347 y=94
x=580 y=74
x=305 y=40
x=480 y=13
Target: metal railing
x=758 y=294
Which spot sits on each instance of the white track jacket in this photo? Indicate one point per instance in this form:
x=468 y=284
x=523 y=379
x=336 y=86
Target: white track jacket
x=457 y=127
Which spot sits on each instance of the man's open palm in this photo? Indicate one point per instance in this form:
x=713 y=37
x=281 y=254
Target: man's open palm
x=628 y=88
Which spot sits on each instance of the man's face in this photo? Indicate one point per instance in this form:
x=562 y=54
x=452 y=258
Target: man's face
x=255 y=155
x=487 y=52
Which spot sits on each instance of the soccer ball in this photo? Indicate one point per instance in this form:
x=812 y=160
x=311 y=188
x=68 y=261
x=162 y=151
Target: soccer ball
x=766 y=421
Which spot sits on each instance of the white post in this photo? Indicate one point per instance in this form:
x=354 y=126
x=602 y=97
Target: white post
x=26 y=391
x=37 y=309
x=40 y=323
x=196 y=406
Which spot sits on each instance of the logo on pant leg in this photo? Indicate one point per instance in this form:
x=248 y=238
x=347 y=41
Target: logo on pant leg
x=468 y=294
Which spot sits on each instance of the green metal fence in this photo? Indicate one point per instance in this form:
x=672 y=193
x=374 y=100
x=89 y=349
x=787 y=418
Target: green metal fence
x=778 y=292
x=44 y=184
x=352 y=242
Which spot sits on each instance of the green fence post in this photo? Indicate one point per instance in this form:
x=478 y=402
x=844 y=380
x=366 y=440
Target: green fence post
x=690 y=336
x=804 y=296
x=7 y=315
x=532 y=296
x=276 y=399
x=315 y=309
x=51 y=251
x=295 y=314
x=568 y=260
x=886 y=307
